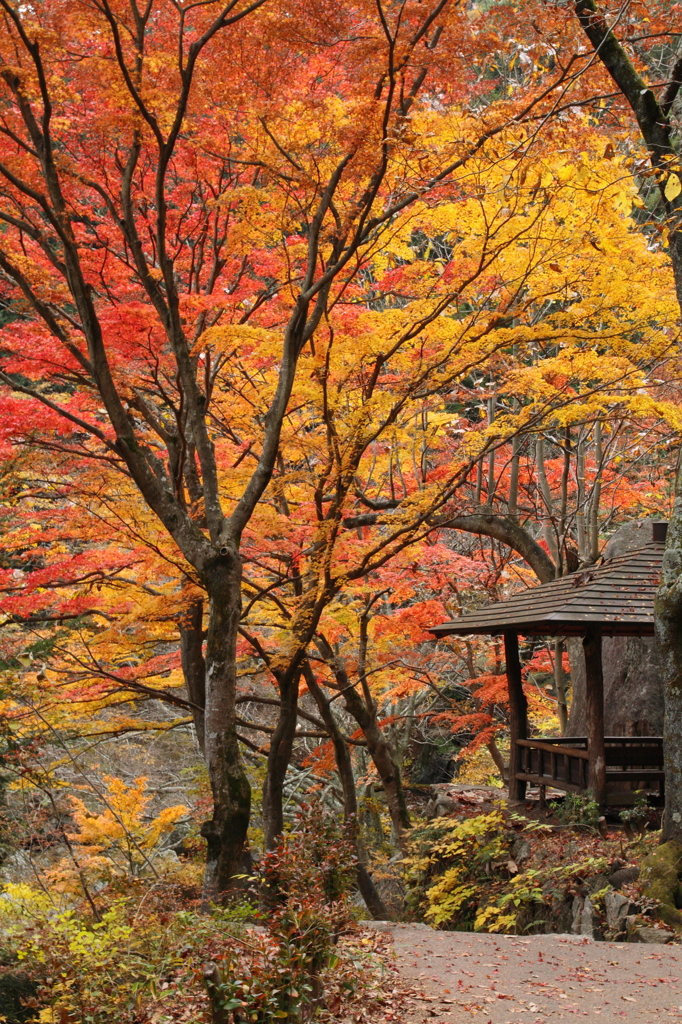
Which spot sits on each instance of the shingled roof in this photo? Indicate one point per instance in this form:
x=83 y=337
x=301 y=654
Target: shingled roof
x=617 y=596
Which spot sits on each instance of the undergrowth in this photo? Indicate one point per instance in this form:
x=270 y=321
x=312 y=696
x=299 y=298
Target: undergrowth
x=282 y=950
x=461 y=875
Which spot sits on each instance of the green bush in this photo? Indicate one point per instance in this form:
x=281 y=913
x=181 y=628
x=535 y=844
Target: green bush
x=576 y=809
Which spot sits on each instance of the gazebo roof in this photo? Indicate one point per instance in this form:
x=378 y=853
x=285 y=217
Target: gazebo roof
x=616 y=596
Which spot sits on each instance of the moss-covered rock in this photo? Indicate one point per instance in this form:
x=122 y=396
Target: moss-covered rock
x=660 y=875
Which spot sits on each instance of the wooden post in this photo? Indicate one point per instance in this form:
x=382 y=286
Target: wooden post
x=594 y=713
x=518 y=713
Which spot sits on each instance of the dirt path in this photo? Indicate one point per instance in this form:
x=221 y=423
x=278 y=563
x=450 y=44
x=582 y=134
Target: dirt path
x=542 y=979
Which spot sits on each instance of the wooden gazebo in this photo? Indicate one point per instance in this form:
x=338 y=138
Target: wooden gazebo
x=613 y=598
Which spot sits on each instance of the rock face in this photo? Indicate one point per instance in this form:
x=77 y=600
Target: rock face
x=633 y=691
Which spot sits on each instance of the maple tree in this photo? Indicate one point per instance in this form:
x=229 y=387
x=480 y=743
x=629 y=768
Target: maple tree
x=411 y=416
x=251 y=322
x=125 y=244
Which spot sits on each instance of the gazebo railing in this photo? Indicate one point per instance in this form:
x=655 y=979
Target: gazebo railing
x=551 y=763
x=562 y=762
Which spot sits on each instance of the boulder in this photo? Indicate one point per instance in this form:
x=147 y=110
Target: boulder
x=596 y=883
x=520 y=850
x=445 y=805
x=561 y=917
x=586 y=920
x=617 y=909
x=440 y=805
x=589 y=920
x=623 y=877
x=164 y=862
x=642 y=933
x=660 y=877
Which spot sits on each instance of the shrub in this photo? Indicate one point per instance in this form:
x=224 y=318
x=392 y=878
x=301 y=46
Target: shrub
x=304 y=885
x=576 y=809
x=452 y=859
x=18 y=993
x=461 y=875
x=636 y=818
x=137 y=951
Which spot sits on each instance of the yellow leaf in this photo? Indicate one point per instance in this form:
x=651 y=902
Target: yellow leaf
x=673 y=187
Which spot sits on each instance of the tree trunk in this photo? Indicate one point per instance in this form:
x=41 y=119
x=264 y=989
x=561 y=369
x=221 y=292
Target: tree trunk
x=668 y=619
x=384 y=761
x=344 y=765
x=364 y=713
x=498 y=760
x=193 y=664
x=560 y=684
x=279 y=758
x=226 y=832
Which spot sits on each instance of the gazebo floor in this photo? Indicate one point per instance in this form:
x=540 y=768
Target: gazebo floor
x=633 y=764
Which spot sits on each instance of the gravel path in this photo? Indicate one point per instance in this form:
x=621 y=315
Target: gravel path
x=505 y=979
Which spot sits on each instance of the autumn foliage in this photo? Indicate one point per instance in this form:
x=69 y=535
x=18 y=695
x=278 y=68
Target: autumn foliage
x=321 y=323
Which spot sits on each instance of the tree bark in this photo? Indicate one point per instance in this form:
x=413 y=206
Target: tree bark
x=225 y=833
x=518 y=714
x=344 y=766
x=560 y=684
x=498 y=760
x=279 y=758
x=514 y=536
x=594 y=708
x=384 y=761
x=193 y=664
x=379 y=748
x=502 y=528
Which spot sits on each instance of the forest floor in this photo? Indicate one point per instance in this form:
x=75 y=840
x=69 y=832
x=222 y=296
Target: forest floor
x=461 y=977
